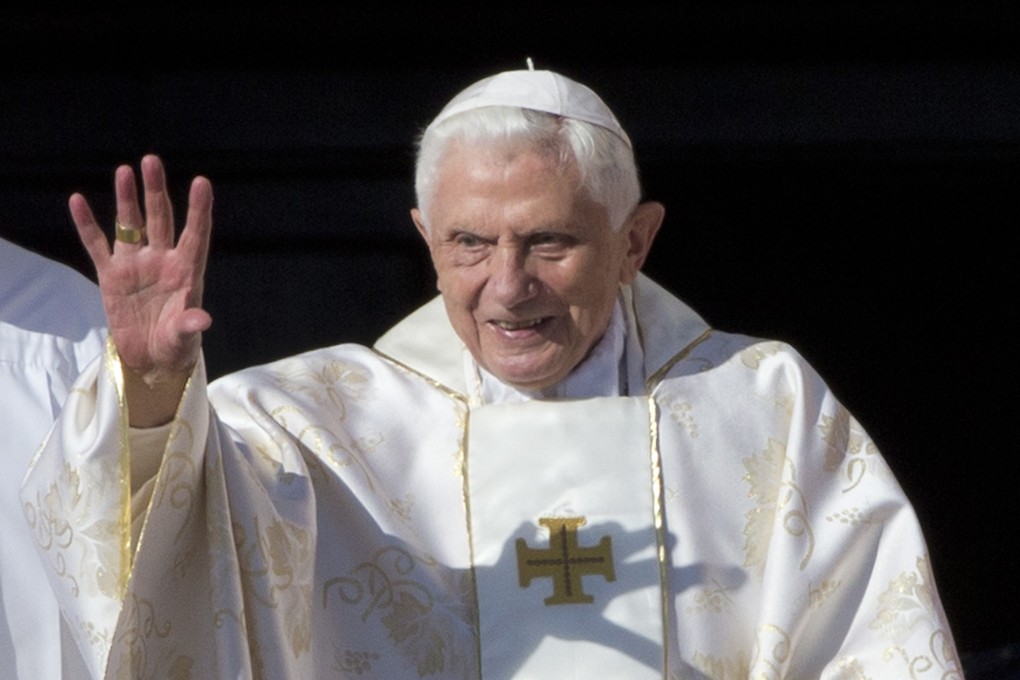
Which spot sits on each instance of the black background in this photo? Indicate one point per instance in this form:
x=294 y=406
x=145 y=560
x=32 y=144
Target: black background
x=844 y=178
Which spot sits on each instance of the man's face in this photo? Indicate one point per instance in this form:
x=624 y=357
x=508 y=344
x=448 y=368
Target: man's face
x=526 y=263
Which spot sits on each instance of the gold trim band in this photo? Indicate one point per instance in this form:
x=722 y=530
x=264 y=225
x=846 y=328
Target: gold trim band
x=128 y=234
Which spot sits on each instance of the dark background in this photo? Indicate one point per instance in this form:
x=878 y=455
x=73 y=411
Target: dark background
x=842 y=176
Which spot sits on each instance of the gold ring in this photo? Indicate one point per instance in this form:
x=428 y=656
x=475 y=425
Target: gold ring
x=128 y=234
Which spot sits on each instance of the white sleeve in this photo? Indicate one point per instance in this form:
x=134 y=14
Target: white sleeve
x=86 y=495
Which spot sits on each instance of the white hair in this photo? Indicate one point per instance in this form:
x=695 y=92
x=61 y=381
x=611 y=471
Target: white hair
x=605 y=162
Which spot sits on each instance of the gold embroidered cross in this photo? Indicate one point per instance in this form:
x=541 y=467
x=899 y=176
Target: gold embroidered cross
x=564 y=561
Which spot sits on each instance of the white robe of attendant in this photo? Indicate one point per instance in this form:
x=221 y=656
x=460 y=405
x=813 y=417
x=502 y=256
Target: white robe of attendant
x=353 y=513
x=51 y=326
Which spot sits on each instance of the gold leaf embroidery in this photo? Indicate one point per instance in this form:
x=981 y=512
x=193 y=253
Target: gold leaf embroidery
x=680 y=413
x=851 y=669
x=275 y=569
x=714 y=599
x=846 y=443
x=389 y=584
x=772 y=651
x=909 y=600
x=817 y=596
x=836 y=435
x=53 y=518
x=324 y=445
x=140 y=628
x=736 y=667
x=401 y=507
x=851 y=516
x=328 y=383
x=753 y=356
x=777 y=499
x=348 y=661
x=181 y=668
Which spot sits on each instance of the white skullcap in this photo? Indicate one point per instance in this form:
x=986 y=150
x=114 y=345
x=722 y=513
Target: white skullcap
x=538 y=90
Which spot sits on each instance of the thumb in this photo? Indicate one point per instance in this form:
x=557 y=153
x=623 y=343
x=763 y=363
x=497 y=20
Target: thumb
x=193 y=321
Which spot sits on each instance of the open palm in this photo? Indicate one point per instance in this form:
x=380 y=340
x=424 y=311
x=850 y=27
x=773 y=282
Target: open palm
x=152 y=289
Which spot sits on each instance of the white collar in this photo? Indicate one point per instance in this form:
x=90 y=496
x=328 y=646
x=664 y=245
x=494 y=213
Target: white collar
x=658 y=326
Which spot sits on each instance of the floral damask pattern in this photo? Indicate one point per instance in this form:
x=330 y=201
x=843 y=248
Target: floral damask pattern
x=911 y=600
x=753 y=356
x=817 y=595
x=779 y=500
x=275 y=565
x=350 y=662
x=141 y=627
x=737 y=667
x=681 y=413
x=395 y=586
x=772 y=651
x=329 y=383
x=227 y=555
x=67 y=526
x=851 y=669
x=713 y=599
x=848 y=446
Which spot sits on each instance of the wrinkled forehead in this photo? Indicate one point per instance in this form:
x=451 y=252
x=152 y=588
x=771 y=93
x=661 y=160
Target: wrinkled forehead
x=544 y=91
x=486 y=193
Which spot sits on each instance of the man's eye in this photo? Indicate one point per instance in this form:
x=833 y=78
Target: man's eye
x=467 y=240
x=549 y=241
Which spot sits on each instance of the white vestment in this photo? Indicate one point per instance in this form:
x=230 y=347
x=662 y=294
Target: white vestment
x=367 y=513
x=51 y=325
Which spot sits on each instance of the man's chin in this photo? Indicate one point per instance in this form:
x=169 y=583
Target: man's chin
x=528 y=368
x=530 y=379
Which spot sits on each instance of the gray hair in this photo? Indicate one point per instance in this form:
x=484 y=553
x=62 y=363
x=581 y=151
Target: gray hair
x=606 y=163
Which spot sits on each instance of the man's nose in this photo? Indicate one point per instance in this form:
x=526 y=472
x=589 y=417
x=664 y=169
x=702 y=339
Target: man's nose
x=511 y=279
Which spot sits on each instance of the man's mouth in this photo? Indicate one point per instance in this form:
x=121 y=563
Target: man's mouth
x=517 y=325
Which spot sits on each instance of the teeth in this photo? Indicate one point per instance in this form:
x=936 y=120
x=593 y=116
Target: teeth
x=517 y=325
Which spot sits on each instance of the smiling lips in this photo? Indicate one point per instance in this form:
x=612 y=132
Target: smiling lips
x=517 y=325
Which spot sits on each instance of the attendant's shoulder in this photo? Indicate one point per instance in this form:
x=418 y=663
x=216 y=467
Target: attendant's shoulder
x=46 y=296
x=50 y=314
x=21 y=265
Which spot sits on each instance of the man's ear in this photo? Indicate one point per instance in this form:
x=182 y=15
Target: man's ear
x=641 y=228
x=420 y=224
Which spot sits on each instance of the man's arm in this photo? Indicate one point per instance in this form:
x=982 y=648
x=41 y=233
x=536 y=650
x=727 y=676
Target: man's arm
x=152 y=288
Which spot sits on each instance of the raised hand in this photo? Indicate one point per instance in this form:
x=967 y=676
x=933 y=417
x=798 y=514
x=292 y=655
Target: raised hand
x=152 y=287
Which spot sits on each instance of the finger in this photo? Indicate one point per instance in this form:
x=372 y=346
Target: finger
x=192 y=322
x=194 y=241
x=186 y=342
x=96 y=242
x=129 y=214
x=159 y=218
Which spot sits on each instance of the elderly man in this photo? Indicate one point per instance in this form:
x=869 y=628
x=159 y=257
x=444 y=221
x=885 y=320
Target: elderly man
x=553 y=469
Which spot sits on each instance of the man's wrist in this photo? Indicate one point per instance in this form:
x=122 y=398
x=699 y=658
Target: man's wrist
x=153 y=396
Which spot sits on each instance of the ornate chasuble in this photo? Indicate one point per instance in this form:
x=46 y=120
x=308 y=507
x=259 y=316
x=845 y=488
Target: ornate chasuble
x=563 y=522
x=358 y=513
